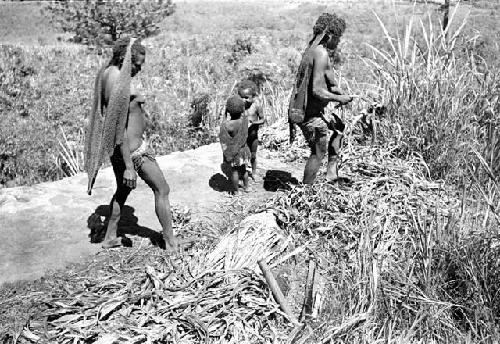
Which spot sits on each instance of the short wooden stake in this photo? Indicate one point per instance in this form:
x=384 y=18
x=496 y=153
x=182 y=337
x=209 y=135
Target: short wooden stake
x=275 y=289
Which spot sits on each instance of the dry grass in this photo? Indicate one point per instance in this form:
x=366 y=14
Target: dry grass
x=210 y=293
x=404 y=258
x=146 y=297
x=434 y=96
x=202 y=50
x=399 y=262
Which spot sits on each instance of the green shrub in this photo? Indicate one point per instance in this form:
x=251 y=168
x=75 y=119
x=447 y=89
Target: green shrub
x=96 y=22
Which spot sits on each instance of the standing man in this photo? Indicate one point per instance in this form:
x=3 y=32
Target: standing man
x=116 y=129
x=315 y=87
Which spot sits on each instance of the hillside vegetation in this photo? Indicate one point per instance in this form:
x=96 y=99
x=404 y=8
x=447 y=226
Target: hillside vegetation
x=201 y=52
x=407 y=253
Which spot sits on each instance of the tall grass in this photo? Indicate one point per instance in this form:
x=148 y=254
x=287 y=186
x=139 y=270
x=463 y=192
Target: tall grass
x=411 y=264
x=404 y=259
x=201 y=50
x=434 y=95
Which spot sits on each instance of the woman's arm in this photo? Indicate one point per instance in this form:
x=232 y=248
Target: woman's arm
x=129 y=175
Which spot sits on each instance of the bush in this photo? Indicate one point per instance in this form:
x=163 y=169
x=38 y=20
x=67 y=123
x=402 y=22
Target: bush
x=15 y=81
x=39 y=96
x=96 y=22
x=239 y=49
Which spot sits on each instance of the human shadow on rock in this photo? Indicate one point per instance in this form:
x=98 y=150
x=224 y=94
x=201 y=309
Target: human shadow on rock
x=222 y=182
x=275 y=180
x=128 y=224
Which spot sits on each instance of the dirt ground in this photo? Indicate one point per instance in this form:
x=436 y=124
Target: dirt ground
x=44 y=227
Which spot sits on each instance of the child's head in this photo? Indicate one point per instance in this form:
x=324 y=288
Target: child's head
x=235 y=106
x=247 y=90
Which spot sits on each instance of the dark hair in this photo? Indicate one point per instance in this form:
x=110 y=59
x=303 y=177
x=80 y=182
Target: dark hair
x=331 y=23
x=247 y=83
x=235 y=106
x=120 y=49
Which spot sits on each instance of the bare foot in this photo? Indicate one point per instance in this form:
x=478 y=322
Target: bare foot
x=339 y=180
x=171 y=244
x=234 y=193
x=110 y=243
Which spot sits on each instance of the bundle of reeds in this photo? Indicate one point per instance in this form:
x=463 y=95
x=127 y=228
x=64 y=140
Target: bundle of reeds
x=257 y=237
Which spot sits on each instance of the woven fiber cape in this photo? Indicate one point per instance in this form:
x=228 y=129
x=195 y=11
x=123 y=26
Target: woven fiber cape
x=235 y=147
x=106 y=125
x=298 y=99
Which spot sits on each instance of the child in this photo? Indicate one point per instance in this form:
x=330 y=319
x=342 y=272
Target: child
x=247 y=90
x=233 y=138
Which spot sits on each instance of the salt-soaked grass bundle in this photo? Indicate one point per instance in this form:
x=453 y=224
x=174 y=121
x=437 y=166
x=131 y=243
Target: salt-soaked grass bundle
x=257 y=237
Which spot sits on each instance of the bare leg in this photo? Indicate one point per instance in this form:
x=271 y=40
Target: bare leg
x=253 y=149
x=150 y=172
x=313 y=164
x=117 y=202
x=235 y=179
x=333 y=156
x=245 y=178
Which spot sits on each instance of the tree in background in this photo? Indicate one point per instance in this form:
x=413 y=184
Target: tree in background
x=99 y=22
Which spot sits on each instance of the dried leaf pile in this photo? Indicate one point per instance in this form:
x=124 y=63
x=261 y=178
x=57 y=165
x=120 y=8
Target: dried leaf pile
x=386 y=187
x=373 y=235
x=148 y=298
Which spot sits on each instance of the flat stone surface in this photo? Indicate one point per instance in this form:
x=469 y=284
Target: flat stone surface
x=44 y=227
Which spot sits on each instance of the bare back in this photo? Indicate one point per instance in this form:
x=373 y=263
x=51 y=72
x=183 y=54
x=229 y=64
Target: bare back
x=109 y=79
x=321 y=67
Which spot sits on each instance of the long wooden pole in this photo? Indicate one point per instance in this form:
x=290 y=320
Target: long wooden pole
x=275 y=289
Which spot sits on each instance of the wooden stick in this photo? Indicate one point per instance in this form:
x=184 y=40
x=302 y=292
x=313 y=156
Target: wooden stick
x=308 y=297
x=374 y=130
x=275 y=289
x=318 y=298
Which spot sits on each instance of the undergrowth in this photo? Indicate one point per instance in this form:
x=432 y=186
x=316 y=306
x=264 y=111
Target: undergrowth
x=401 y=259
x=405 y=259
x=192 y=56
